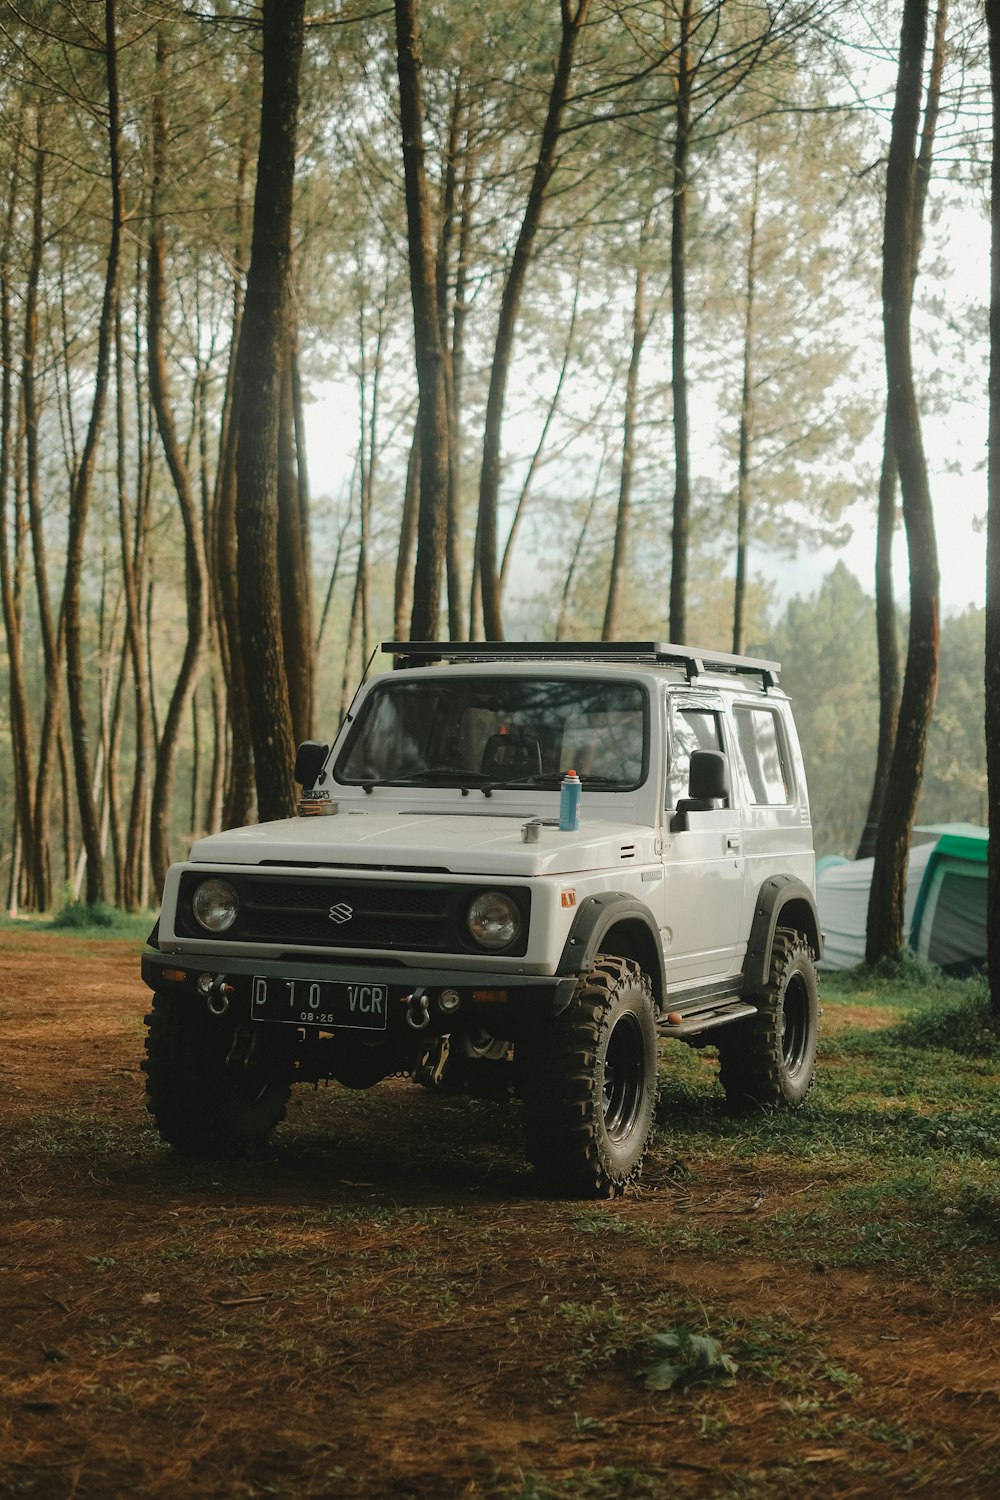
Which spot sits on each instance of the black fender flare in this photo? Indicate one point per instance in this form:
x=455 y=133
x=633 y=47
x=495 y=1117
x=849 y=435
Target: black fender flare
x=595 y=918
x=783 y=900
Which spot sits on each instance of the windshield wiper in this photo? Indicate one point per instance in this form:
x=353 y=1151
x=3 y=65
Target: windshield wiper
x=444 y=773
x=543 y=778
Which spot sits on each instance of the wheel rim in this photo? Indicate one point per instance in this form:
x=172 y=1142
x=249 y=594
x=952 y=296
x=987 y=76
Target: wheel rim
x=624 y=1078
x=795 y=1030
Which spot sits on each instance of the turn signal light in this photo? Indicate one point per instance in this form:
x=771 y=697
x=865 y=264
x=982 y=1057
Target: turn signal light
x=490 y=997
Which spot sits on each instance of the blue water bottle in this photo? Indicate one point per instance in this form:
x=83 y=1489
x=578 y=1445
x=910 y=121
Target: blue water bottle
x=569 y=802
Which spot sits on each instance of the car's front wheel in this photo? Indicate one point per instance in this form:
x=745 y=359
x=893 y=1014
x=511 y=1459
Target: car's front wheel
x=589 y=1084
x=214 y=1089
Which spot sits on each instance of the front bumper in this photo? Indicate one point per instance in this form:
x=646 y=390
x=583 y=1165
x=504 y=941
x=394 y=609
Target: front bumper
x=502 y=1003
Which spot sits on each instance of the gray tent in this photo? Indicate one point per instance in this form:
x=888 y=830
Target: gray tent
x=945 y=910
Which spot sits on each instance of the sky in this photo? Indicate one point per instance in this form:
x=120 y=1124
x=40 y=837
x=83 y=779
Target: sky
x=959 y=510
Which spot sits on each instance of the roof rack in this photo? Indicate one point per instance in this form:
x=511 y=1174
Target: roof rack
x=694 y=661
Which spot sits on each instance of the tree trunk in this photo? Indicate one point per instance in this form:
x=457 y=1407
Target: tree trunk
x=238 y=800
x=573 y=21
x=403 y=599
x=455 y=398
x=433 y=409
x=52 y=632
x=885 y=908
x=293 y=568
x=678 y=358
x=888 y=643
x=262 y=359
x=993 y=534
x=536 y=457
x=10 y=556
x=619 y=556
x=567 y=588
x=885 y=603
x=746 y=429
x=195 y=569
x=81 y=492
x=453 y=555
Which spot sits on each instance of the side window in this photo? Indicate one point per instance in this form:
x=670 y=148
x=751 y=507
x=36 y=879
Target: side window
x=762 y=747
x=692 y=728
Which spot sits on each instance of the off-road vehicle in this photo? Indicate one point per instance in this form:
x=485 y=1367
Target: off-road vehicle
x=426 y=914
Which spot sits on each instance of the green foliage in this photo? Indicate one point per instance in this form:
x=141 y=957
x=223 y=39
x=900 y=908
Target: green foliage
x=826 y=646
x=78 y=914
x=964 y=1024
x=686 y=1359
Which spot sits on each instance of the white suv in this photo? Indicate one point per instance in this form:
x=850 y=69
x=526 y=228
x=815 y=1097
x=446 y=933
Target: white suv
x=426 y=914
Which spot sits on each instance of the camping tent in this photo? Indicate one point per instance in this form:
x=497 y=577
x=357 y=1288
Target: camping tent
x=945 y=907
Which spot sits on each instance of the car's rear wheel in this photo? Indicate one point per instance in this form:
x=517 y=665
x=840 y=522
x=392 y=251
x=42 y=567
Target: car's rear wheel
x=771 y=1059
x=589 y=1084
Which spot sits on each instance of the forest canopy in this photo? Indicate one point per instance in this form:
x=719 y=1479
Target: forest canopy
x=598 y=284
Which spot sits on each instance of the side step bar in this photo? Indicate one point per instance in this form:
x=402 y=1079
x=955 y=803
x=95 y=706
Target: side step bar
x=705 y=1017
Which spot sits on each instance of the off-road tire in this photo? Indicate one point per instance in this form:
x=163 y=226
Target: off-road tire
x=770 y=1061
x=203 y=1104
x=588 y=1080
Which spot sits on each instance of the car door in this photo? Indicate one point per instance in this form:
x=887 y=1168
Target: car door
x=703 y=854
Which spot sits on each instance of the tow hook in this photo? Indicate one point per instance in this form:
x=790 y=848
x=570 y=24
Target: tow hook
x=217 y=998
x=418 y=1011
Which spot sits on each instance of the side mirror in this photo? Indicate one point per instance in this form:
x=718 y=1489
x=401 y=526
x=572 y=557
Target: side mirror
x=309 y=761
x=707 y=775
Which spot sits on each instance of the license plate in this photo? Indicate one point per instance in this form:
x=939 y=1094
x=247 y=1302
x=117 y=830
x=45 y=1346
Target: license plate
x=321 y=1002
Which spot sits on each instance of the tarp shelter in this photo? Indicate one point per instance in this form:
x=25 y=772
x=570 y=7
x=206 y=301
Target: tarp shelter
x=945 y=908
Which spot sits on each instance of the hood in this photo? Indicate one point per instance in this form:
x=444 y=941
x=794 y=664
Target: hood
x=456 y=844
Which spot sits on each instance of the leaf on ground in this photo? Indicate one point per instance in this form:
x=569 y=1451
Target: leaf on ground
x=688 y=1359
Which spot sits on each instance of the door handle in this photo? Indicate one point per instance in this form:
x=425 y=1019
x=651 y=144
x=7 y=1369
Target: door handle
x=733 y=843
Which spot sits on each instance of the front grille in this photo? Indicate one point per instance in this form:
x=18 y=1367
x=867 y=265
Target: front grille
x=428 y=917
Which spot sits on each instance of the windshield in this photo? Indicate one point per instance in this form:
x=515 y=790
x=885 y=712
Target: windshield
x=498 y=731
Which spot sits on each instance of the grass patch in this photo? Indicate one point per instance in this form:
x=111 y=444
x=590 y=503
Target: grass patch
x=83 y=919
x=896 y=1149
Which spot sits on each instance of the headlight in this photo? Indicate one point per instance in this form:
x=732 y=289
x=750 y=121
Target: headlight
x=494 y=919
x=215 y=905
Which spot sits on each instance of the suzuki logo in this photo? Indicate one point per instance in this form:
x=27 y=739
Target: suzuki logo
x=341 y=912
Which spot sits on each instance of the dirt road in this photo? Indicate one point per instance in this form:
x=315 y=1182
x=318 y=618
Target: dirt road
x=383 y=1307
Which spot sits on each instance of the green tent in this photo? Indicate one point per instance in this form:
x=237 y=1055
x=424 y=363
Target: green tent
x=949 y=918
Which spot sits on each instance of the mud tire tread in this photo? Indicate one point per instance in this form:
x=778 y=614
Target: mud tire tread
x=195 y=1097
x=562 y=1079
x=754 y=1064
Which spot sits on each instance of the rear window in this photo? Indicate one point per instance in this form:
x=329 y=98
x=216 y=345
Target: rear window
x=764 y=755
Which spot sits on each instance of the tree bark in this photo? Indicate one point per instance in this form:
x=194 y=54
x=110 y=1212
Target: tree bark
x=678 y=356
x=433 y=409
x=573 y=20
x=611 y=628
x=403 y=596
x=993 y=535
x=293 y=568
x=746 y=429
x=536 y=457
x=90 y=831
x=195 y=569
x=262 y=359
x=10 y=558
x=51 y=628
x=885 y=933
x=885 y=603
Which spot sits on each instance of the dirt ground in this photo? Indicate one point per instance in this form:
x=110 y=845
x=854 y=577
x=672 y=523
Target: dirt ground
x=383 y=1306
